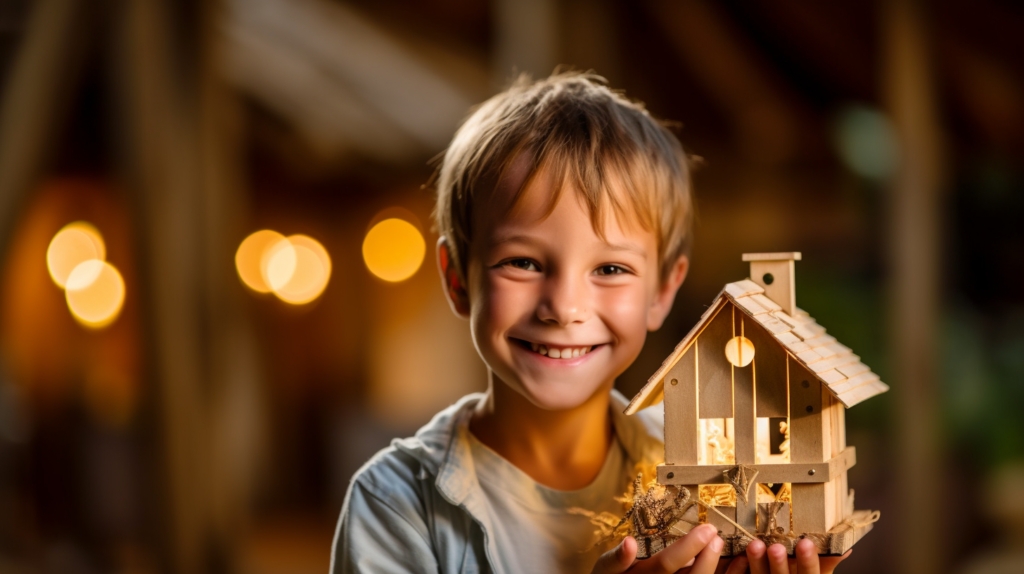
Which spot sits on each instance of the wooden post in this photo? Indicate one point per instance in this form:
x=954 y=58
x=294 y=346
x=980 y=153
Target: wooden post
x=715 y=377
x=913 y=242
x=745 y=426
x=682 y=435
x=809 y=441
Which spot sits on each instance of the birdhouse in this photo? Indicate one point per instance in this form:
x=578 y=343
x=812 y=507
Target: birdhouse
x=755 y=399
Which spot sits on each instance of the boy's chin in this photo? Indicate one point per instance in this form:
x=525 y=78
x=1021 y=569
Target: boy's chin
x=558 y=396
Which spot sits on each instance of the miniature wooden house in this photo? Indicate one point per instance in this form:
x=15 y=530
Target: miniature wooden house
x=755 y=398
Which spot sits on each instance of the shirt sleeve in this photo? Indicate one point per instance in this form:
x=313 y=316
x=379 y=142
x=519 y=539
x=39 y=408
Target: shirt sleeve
x=380 y=533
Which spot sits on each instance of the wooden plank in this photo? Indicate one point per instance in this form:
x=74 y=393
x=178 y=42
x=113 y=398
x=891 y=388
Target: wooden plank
x=800 y=473
x=787 y=319
x=854 y=382
x=821 y=341
x=813 y=509
x=797 y=346
x=809 y=355
x=769 y=373
x=744 y=288
x=831 y=377
x=765 y=302
x=713 y=369
x=764 y=516
x=786 y=338
x=680 y=387
x=853 y=369
x=774 y=325
x=807 y=428
x=862 y=393
x=845 y=534
x=827 y=364
x=750 y=306
x=745 y=425
x=725 y=528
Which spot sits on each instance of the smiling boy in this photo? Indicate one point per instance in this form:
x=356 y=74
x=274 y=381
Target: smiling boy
x=564 y=211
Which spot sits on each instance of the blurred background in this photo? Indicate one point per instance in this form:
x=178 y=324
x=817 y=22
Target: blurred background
x=195 y=396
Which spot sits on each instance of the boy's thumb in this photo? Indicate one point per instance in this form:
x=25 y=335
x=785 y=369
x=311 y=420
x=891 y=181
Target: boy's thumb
x=618 y=559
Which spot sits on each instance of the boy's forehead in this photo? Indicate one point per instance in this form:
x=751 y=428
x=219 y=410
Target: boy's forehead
x=512 y=208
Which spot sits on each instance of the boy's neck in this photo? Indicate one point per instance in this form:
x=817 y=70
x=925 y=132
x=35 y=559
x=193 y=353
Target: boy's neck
x=564 y=449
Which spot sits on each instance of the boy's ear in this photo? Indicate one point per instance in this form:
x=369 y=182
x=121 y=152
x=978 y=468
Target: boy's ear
x=666 y=295
x=452 y=284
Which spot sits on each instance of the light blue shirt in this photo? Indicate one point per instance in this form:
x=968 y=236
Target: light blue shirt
x=418 y=505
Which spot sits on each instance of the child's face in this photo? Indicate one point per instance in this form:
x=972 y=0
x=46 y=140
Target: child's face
x=545 y=287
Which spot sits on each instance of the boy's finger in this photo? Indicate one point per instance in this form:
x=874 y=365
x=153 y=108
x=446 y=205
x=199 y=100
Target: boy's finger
x=778 y=559
x=618 y=559
x=757 y=556
x=707 y=560
x=682 y=551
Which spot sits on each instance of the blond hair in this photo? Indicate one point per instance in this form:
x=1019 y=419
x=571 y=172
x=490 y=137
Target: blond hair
x=586 y=134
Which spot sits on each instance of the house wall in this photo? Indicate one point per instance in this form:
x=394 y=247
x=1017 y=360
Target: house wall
x=704 y=385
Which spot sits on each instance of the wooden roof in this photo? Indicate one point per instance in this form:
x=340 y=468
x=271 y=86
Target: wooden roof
x=831 y=362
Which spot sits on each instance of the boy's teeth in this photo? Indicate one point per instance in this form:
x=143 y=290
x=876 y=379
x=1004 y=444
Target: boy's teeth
x=568 y=353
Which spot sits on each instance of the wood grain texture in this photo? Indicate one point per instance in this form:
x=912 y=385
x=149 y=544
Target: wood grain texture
x=714 y=370
x=681 y=436
x=809 y=439
x=769 y=372
x=745 y=425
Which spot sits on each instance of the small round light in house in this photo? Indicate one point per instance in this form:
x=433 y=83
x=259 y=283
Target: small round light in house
x=394 y=249
x=249 y=258
x=74 y=243
x=739 y=351
x=95 y=293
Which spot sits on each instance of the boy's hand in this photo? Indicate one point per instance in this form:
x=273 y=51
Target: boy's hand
x=774 y=560
x=700 y=548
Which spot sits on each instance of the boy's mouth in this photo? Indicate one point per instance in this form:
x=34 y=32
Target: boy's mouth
x=553 y=352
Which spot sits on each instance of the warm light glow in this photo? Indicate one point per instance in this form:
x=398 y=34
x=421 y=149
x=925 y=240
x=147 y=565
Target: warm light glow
x=95 y=293
x=298 y=269
x=74 y=243
x=739 y=351
x=394 y=249
x=249 y=257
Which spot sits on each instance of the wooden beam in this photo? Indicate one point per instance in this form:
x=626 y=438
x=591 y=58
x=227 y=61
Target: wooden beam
x=713 y=370
x=681 y=432
x=796 y=473
x=745 y=426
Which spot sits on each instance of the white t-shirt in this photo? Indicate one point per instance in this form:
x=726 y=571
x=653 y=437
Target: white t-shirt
x=532 y=525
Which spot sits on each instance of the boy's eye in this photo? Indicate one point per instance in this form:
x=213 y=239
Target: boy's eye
x=524 y=264
x=610 y=270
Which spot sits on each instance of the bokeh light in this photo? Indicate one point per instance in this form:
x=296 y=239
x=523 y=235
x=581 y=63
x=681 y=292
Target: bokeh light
x=250 y=257
x=866 y=142
x=311 y=270
x=296 y=268
x=75 y=243
x=95 y=293
x=739 y=351
x=394 y=249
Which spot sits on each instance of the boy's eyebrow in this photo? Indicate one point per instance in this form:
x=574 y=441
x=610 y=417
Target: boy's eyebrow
x=629 y=247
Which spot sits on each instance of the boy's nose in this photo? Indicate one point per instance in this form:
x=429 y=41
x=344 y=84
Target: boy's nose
x=564 y=302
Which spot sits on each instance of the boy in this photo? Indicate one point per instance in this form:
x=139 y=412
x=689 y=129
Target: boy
x=564 y=211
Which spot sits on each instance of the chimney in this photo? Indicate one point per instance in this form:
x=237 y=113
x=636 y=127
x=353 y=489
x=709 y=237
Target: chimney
x=775 y=273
